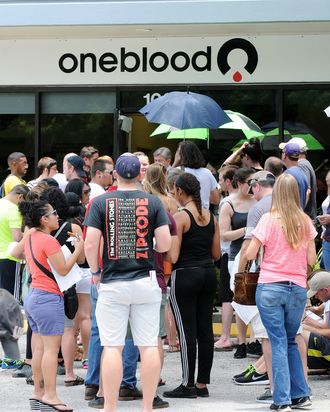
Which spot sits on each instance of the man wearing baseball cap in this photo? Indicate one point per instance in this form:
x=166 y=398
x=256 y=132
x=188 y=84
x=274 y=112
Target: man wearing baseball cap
x=317 y=331
x=290 y=156
x=309 y=172
x=126 y=221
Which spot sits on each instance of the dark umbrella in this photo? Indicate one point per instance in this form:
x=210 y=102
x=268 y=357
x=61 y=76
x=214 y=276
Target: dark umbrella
x=185 y=110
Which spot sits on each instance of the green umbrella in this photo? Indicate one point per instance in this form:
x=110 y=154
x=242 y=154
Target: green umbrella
x=271 y=140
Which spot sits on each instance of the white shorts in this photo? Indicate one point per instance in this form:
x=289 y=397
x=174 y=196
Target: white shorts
x=137 y=301
x=259 y=329
x=84 y=285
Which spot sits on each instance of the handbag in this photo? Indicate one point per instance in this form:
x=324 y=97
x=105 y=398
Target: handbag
x=70 y=295
x=245 y=286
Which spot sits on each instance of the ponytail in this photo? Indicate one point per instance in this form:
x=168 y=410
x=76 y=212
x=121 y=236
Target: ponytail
x=191 y=186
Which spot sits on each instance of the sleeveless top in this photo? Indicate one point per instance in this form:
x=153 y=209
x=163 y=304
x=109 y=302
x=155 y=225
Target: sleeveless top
x=238 y=221
x=62 y=234
x=196 y=246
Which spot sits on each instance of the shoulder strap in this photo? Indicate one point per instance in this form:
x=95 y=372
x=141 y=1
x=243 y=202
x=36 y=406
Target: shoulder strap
x=40 y=266
x=60 y=230
x=231 y=205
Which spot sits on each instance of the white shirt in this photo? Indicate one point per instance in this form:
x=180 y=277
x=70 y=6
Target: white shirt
x=207 y=182
x=96 y=190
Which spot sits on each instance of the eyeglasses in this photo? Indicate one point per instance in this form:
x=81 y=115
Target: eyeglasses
x=53 y=212
x=85 y=192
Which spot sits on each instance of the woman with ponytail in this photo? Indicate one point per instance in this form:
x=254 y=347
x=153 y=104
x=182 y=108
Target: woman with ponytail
x=193 y=285
x=44 y=304
x=287 y=236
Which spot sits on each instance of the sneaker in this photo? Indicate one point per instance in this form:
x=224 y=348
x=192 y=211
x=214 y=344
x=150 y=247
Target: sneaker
x=283 y=408
x=202 y=392
x=252 y=378
x=23 y=371
x=301 y=403
x=97 y=403
x=8 y=363
x=182 y=392
x=266 y=397
x=84 y=363
x=159 y=403
x=129 y=394
x=250 y=368
x=254 y=349
x=90 y=392
x=240 y=351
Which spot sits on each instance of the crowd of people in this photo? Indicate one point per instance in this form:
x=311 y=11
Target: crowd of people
x=125 y=256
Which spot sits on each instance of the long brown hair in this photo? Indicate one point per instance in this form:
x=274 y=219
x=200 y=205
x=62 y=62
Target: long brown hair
x=286 y=204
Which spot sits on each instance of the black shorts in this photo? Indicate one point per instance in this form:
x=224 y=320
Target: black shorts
x=10 y=276
x=318 y=353
x=225 y=293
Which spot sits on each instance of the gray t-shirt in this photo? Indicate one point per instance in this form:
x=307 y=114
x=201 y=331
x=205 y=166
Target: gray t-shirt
x=127 y=220
x=308 y=170
x=255 y=213
x=207 y=182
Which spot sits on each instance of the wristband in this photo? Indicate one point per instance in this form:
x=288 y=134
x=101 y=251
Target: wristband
x=98 y=272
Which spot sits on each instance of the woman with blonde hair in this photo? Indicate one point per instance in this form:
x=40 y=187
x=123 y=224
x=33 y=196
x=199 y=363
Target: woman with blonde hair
x=155 y=183
x=287 y=236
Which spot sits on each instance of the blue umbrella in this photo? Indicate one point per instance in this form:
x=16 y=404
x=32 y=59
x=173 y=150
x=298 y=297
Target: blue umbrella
x=185 y=110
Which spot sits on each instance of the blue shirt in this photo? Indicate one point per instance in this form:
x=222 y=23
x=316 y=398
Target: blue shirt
x=301 y=179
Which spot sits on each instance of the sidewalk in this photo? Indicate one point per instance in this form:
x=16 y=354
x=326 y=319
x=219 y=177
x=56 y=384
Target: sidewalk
x=224 y=395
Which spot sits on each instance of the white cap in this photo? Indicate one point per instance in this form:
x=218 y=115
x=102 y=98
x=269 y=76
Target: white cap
x=297 y=140
x=320 y=280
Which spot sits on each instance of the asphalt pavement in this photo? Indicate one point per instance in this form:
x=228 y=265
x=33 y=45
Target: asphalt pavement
x=224 y=395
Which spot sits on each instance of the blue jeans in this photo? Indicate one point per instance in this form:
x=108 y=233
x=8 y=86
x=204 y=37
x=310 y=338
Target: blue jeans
x=281 y=309
x=94 y=348
x=326 y=254
x=130 y=353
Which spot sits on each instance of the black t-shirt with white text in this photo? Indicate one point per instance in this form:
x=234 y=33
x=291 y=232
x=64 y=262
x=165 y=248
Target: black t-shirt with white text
x=127 y=220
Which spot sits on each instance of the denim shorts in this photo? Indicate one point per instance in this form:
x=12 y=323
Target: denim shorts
x=45 y=312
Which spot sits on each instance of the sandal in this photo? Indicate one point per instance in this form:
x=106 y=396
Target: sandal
x=161 y=382
x=29 y=380
x=49 y=407
x=77 y=381
x=173 y=348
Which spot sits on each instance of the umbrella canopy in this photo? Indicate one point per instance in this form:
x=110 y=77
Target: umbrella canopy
x=185 y=110
x=239 y=125
x=271 y=140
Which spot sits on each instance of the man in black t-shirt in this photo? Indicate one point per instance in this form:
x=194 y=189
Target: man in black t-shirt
x=127 y=220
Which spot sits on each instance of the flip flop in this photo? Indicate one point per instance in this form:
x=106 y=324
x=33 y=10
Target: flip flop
x=77 y=381
x=34 y=404
x=50 y=407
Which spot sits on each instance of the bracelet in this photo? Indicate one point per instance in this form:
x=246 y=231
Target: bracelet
x=98 y=272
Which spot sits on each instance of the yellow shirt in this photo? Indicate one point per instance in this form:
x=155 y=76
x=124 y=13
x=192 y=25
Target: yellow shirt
x=11 y=182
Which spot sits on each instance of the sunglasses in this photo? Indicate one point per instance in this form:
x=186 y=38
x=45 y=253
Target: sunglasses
x=85 y=192
x=53 y=212
x=252 y=182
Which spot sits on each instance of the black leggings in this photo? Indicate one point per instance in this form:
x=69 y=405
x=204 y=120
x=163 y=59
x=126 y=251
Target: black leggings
x=192 y=295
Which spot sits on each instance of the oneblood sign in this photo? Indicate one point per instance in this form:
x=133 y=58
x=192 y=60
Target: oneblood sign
x=142 y=60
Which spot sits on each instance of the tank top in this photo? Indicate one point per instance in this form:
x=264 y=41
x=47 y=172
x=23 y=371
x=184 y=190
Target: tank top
x=62 y=234
x=238 y=221
x=196 y=245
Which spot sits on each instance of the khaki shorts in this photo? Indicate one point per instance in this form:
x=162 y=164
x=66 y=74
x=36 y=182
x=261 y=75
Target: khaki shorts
x=136 y=301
